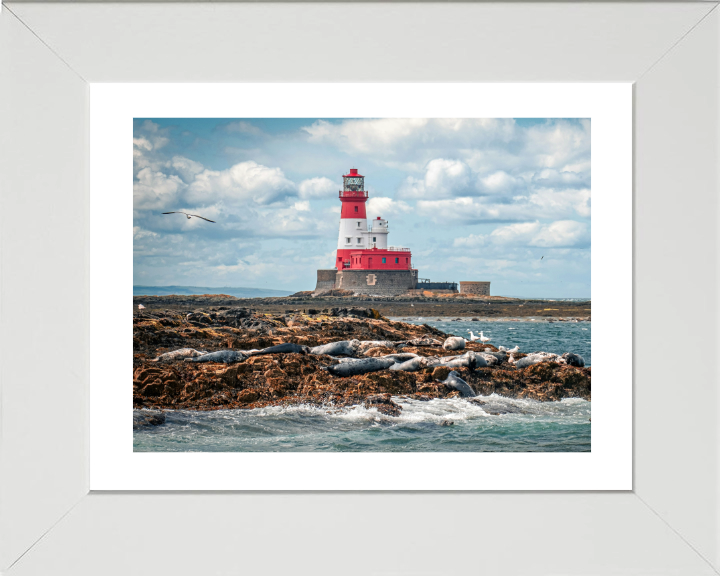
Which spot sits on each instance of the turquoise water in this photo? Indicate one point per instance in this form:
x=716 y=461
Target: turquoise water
x=529 y=335
x=521 y=426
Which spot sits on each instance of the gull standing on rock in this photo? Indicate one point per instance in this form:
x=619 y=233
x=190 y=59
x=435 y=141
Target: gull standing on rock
x=483 y=339
x=473 y=337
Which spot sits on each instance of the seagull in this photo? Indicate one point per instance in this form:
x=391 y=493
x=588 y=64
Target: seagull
x=483 y=339
x=514 y=350
x=191 y=215
x=141 y=307
x=541 y=257
x=473 y=337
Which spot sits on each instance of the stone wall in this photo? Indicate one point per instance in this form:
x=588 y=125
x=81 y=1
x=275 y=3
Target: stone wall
x=377 y=282
x=481 y=288
x=325 y=280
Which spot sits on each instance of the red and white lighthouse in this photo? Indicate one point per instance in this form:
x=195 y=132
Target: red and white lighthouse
x=363 y=247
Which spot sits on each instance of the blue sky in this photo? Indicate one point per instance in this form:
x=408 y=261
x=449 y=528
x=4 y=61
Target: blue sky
x=475 y=199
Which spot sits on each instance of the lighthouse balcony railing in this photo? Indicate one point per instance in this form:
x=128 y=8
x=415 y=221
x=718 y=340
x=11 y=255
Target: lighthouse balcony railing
x=353 y=194
x=397 y=249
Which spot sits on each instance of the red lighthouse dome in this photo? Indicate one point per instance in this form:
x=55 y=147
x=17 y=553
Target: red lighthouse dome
x=363 y=247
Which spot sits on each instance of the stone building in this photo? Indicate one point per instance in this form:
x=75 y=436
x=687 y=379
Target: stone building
x=476 y=288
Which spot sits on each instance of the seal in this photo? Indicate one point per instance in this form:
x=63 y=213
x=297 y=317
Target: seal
x=365 y=345
x=224 y=356
x=347 y=347
x=282 y=349
x=360 y=367
x=177 y=355
x=574 y=359
x=469 y=360
x=454 y=382
x=454 y=343
x=501 y=355
x=424 y=342
x=401 y=357
x=412 y=365
x=536 y=359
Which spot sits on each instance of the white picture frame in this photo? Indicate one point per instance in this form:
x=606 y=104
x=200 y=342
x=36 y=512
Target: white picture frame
x=49 y=522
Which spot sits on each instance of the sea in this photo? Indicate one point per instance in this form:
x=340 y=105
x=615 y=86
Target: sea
x=519 y=426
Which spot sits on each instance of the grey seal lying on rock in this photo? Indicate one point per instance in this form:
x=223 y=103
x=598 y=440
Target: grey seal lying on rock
x=178 y=355
x=574 y=359
x=536 y=359
x=412 y=365
x=468 y=360
x=283 y=349
x=454 y=343
x=224 y=356
x=365 y=345
x=424 y=342
x=456 y=383
x=360 y=367
x=401 y=357
x=348 y=347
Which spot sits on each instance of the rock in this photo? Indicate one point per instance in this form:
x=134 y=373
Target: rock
x=142 y=418
x=447 y=423
x=290 y=378
x=441 y=373
x=454 y=343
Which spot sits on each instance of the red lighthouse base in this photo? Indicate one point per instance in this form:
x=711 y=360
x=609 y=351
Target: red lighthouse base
x=374 y=259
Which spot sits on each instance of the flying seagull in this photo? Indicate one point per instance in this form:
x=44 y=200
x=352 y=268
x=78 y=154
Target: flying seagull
x=541 y=257
x=191 y=215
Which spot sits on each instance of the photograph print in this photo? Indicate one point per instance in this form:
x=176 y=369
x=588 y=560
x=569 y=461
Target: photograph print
x=361 y=285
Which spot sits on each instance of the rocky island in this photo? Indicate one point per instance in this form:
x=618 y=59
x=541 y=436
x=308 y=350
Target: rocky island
x=419 y=362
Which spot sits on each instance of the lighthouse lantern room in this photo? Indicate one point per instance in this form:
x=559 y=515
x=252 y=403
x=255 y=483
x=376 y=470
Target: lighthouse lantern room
x=363 y=247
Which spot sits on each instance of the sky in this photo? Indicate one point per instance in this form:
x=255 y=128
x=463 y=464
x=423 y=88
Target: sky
x=501 y=200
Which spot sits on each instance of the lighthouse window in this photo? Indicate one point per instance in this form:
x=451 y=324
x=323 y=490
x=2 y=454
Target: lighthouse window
x=374 y=239
x=383 y=260
x=359 y=240
x=356 y=209
x=358 y=224
x=347 y=240
x=397 y=260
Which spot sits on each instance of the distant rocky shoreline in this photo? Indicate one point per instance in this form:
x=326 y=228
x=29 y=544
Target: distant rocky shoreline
x=256 y=377
x=433 y=306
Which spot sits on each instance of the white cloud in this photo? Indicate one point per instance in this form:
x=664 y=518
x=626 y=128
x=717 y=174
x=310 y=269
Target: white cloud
x=384 y=207
x=318 y=188
x=443 y=178
x=364 y=136
x=563 y=234
x=139 y=233
x=550 y=203
x=241 y=182
x=302 y=206
x=152 y=135
x=142 y=143
x=155 y=190
x=242 y=127
x=500 y=182
x=187 y=168
x=559 y=234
